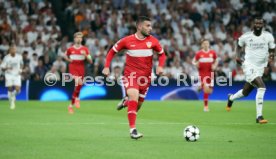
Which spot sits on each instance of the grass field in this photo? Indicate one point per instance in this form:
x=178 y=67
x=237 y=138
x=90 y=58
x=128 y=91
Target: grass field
x=44 y=130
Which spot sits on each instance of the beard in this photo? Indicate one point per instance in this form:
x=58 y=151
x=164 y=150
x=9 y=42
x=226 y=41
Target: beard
x=144 y=33
x=258 y=30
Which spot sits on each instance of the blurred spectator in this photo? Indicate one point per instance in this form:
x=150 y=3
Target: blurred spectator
x=239 y=75
x=179 y=25
x=40 y=70
x=33 y=62
x=60 y=65
x=116 y=73
x=52 y=74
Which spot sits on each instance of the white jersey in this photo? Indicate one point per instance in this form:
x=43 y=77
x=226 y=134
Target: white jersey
x=13 y=64
x=256 y=47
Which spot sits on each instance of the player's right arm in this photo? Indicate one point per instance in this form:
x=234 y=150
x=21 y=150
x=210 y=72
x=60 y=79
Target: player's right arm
x=195 y=60
x=271 y=48
x=67 y=54
x=4 y=65
x=116 y=48
x=240 y=50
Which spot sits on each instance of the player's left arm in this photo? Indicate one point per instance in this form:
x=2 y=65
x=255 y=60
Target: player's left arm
x=271 y=54
x=161 y=58
x=21 y=65
x=271 y=50
x=88 y=56
x=4 y=65
x=215 y=64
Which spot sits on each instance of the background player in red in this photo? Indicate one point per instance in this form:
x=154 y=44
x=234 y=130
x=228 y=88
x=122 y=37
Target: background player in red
x=76 y=55
x=206 y=61
x=139 y=53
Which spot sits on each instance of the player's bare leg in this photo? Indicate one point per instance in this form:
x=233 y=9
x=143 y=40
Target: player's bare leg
x=133 y=95
x=12 y=95
x=123 y=103
x=11 y=98
x=207 y=90
x=258 y=82
x=77 y=91
x=247 y=89
x=140 y=103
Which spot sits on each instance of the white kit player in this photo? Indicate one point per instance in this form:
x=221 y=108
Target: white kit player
x=12 y=66
x=259 y=48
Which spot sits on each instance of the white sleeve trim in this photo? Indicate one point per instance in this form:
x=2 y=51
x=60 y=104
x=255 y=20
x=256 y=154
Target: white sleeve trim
x=114 y=49
x=161 y=51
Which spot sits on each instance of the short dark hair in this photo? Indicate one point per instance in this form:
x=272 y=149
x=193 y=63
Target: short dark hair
x=141 y=19
x=259 y=18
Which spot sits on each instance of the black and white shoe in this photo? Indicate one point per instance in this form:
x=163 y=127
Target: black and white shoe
x=135 y=134
x=229 y=103
x=122 y=104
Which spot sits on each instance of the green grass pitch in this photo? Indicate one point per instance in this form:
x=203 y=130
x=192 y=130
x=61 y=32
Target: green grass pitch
x=44 y=130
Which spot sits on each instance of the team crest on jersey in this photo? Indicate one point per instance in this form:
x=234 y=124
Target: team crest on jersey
x=82 y=51
x=210 y=55
x=149 y=44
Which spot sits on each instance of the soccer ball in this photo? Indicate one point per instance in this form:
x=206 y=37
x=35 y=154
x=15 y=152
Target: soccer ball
x=191 y=133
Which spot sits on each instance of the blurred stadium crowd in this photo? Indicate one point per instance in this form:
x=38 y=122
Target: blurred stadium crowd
x=42 y=30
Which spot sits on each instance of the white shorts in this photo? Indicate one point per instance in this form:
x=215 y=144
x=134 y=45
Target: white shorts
x=251 y=72
x=12 y=80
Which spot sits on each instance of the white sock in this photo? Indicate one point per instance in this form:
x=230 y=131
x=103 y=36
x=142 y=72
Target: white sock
x=236 y=95
x=131 y=129
x=10 y=95
x=14 y=93
x=260 y=101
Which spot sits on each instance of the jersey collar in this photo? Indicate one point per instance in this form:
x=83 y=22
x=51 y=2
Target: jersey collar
x=138 y=37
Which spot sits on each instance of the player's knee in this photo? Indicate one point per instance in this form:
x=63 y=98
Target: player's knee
x=208 y=90
x=133 y=96
x=262 y=86
x=10 y=89
x=245 y=93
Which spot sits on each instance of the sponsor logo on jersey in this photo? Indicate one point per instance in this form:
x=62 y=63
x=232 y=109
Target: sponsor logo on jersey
x=149 y=44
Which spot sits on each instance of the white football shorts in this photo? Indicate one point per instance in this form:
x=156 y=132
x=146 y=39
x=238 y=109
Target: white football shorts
x=12 y=80
x=251 y=72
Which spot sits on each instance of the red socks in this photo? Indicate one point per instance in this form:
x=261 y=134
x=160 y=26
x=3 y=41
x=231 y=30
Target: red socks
x=76 y=93
x=132 y=112
x=205 y=97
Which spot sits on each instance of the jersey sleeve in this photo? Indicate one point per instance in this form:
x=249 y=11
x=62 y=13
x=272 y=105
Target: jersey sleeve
x=158 y=48
x=4 y=62
x=87 y=51
x=197 y=56
x=241 y=41
x=120 y=45
x=68 y=52
x=271 y=44
x=215 y=55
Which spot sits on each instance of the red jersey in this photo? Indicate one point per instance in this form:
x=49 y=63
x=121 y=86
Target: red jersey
x=77 y=55
x=205 y=60
x=139 y=53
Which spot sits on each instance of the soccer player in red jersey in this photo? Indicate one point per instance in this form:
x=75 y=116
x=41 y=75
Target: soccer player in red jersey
x=76 y=56
x=206 y=61
x=139 y=53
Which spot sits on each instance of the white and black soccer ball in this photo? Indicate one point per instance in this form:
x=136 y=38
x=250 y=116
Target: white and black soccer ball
x=191 y=133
